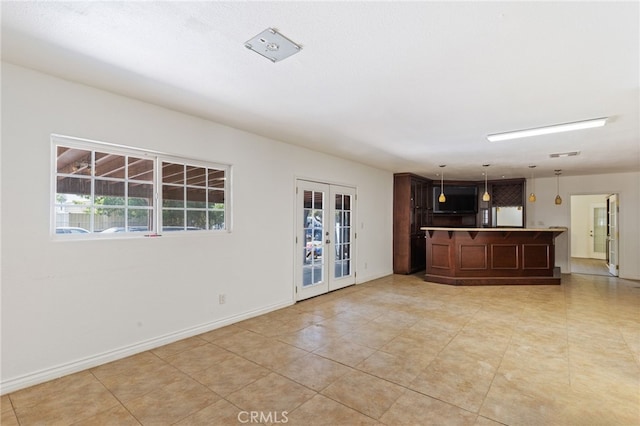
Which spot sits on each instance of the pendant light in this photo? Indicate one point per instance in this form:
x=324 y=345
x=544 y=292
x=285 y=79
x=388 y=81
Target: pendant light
x=442 y=198
x=558 y=199
x=532 y=196
x=485 y=196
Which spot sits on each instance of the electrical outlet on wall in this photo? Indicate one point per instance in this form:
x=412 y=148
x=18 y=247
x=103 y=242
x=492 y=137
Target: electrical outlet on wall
x=222 y=299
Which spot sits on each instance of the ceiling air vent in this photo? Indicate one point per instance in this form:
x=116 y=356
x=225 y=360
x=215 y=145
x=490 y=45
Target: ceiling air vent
x=564 y=154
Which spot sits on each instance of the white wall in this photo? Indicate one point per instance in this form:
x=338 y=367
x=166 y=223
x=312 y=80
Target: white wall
x=544 y=213
x=71 y=305
x=581 y=224
x=67 y=305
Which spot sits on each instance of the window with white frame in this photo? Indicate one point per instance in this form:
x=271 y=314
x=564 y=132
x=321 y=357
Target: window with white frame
x=106 y=189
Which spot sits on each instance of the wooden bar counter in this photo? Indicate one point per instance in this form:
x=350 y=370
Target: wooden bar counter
x=491 y=256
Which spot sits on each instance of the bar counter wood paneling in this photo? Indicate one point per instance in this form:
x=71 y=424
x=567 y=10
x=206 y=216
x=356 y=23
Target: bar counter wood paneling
x=491 y=256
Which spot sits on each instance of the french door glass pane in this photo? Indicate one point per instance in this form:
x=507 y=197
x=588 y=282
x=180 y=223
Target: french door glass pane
x=600 y=230
x=342 y=235
x=313 y=215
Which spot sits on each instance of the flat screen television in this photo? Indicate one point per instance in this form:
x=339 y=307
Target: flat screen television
x=459 y=199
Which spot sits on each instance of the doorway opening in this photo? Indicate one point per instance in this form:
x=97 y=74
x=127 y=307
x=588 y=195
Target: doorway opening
x=594 y=234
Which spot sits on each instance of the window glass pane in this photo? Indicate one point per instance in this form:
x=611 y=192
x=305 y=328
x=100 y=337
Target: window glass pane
x=109 y=165
x=172 y=196
x=196 y=176
x=196 y=198
x=216 y=219
x=172 y=218
x=216 y=178
x=338 y=202
x=140 y=194
x=77 y=187
x=140 y=169
x=216 y=199
x=172 y=173
x=73 y=161
x=347 y=202
x=109 y=219
x=109 y=193
x=140 y=217
x=70 y=210
x=197 y=219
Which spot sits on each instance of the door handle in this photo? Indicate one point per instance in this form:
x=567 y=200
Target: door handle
x=327 y=242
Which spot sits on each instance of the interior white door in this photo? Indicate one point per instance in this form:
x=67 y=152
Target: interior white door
x=598 y=231
x=325 y=238
x=612 y=234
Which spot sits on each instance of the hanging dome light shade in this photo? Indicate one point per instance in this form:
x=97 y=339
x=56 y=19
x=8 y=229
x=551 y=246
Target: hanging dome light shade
x=442 y=198
x=558 y=199
x=485 y=196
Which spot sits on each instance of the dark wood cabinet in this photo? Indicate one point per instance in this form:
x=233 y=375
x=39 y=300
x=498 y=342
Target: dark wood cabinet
x=413 y=210
x=410 y=213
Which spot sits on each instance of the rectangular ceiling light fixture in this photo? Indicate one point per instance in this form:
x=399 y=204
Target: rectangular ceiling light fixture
x=556 y=128
x=272 y=45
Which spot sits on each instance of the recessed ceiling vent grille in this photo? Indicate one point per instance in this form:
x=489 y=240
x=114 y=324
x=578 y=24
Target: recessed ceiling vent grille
x=564 y=154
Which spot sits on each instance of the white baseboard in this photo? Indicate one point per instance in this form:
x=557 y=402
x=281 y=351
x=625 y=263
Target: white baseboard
x=44 y=375
x=362 y=280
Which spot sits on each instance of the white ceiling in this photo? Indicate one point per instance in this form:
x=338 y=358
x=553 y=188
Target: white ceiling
x=404 y=86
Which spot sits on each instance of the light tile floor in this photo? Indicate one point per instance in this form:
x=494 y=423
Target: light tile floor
x=581 y=265
x=394 y=351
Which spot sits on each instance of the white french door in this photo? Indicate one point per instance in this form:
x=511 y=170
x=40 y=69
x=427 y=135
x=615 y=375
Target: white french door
x=612 y=234
x=325 y=238
x=598 y=231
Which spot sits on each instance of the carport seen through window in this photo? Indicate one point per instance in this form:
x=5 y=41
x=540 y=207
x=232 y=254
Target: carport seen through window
x=105 y=189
